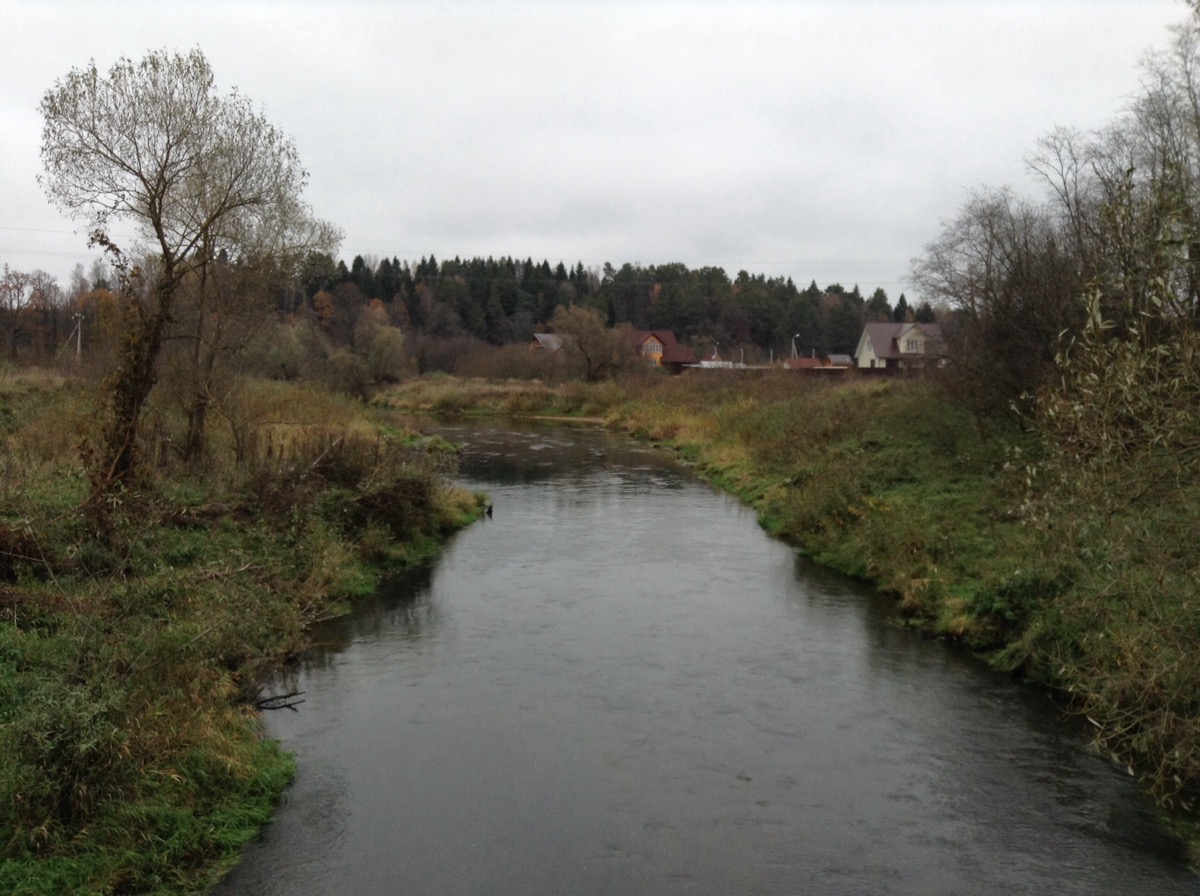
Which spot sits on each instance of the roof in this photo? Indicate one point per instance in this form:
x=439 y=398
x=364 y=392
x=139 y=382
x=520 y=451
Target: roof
x=549 y=341
x=886 y=339
x=673 y=352
x=824 y=363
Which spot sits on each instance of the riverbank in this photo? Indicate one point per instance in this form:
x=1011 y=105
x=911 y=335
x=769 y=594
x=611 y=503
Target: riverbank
x=621 y=671
x=131 y=661
x=884 y=480
x=893 y=482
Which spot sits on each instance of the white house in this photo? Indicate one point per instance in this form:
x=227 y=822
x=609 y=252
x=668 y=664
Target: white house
x=900 y=346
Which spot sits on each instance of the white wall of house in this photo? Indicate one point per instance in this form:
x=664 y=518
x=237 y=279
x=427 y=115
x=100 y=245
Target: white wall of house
x=864 y=356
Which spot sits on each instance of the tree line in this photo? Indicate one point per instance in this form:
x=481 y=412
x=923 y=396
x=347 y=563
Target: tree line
x=1110 y=254
x=319 y=311
x=367 y=323
x=505 y=300
x=493 y=301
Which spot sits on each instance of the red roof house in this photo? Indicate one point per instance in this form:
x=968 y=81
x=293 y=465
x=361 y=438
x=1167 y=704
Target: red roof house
x=660 y=348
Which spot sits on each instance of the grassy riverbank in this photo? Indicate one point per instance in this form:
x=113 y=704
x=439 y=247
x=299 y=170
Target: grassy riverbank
x=893 y=482
x=879 y=479
x=884 y=480
x=130 y=660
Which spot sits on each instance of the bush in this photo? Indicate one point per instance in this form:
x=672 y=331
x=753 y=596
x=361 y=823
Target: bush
x=508 y=362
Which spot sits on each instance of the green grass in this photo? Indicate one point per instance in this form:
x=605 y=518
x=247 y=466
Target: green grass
x=882 y=480
x=131 y=759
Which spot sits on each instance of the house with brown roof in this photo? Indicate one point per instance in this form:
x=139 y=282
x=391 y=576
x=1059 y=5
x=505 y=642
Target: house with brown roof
x=660 y=349
x=903 y=346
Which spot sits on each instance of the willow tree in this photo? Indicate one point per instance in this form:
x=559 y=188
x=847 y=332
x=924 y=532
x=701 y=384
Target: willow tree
x=200 y=174
x=597 y=349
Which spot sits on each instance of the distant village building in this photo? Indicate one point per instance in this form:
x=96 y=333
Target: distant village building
x=903 y=346
x=660 y=349
x=821 y=364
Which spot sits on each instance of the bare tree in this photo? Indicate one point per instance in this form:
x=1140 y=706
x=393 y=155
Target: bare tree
x=32 y=314
x=14 y=295
x=1012 y=283
x=199 y=173
x=1064 y=159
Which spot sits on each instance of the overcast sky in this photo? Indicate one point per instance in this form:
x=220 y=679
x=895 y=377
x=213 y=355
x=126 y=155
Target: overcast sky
x=817 y=140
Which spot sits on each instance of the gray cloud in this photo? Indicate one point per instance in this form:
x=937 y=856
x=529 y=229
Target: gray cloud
x=814 y=140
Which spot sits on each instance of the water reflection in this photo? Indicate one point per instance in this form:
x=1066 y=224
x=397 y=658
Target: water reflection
x=401 y=608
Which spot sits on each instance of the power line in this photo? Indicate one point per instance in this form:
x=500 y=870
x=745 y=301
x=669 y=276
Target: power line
x=37 y=230
x=4 y=250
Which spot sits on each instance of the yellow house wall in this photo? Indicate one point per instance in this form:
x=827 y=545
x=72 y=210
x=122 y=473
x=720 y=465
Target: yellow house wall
x=655 y=356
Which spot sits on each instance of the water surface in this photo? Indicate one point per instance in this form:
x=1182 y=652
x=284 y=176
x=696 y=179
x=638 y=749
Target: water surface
x=621 y=685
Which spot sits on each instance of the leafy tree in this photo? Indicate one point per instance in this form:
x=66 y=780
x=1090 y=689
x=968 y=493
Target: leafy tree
x=219 y=316
x=845 y=322
x=878 y=308
x=318 y=271
x=379 y=345
x=627 y=293
x=585 y=282
x=30 y=313
x=712 y=291
x=284 y=355
x=362 y=275
x=804 y=322
x=599 y=350
x=199 y=173
x=338 y=311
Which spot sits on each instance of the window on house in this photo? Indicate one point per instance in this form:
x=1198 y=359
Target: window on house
x=912 y=345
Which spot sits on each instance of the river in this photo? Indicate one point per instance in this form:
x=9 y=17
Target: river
x=620 y=685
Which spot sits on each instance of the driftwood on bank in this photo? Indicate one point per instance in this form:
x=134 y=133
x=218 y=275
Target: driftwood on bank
x=280 y=701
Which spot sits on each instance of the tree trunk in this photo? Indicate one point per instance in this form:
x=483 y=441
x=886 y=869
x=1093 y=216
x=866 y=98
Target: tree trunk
x=193 y=444
x=128 y=388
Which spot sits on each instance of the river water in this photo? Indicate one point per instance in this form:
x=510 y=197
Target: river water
x=620 y=685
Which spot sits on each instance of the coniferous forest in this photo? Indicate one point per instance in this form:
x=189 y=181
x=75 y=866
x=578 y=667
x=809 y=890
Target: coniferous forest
x=505 y=300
